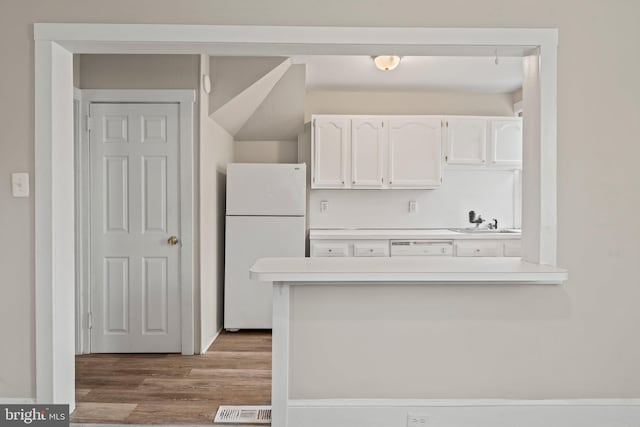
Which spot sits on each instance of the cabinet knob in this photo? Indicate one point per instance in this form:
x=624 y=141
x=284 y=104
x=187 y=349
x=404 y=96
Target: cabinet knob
x=354 y=182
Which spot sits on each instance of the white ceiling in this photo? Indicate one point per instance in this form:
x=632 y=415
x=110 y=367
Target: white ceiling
x=450 y=73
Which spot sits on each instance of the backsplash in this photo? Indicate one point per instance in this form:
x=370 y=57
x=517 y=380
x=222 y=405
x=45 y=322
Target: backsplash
x=492 y=194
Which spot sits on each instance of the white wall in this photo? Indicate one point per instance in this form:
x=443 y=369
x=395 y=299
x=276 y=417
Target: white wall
x=489 y=193
x=431 y=102
x=138 y=71
x=432 y=342
x=265 y=151
x=216 y=150
x=590 y=351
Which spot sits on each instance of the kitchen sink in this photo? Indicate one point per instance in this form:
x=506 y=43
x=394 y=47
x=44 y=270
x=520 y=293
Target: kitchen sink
x=482 y=231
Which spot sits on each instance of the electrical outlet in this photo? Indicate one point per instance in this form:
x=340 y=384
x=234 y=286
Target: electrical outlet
x=324 y=206
x=416 y=420
x=20 y=184
x=413 y=206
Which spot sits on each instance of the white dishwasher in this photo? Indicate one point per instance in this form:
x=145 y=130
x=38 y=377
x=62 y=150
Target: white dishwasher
x=421 y=248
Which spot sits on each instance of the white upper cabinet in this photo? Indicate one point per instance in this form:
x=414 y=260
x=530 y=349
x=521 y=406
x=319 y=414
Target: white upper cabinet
x=506 y=141
x=330 y=152
x=466 y=141
x=415 y=152
x=368 y=142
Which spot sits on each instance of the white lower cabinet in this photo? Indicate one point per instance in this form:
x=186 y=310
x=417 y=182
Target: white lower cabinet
x=513 y=247
x=342 y=248
x=377 y=248
x=426 y=247
x=507 y=248
x=479 y=248
x=330 y=249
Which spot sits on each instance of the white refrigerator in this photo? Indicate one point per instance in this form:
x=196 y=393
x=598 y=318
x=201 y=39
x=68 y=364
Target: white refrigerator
x=265 y=218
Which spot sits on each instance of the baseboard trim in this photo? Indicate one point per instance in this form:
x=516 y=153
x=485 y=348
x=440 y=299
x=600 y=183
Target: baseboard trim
x=17 y=400
x=215 y=336
x=464 y=413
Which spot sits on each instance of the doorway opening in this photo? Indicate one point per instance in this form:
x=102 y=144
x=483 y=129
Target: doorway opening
x=54 y=46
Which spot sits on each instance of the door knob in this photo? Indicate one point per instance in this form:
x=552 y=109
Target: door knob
x=173 y=240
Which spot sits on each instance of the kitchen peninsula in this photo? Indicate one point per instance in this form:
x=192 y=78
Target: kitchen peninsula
x=344 y=324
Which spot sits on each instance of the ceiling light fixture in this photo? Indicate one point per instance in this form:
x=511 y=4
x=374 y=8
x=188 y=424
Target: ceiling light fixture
x=386 y=62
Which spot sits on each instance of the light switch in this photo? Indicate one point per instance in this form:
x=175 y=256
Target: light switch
x=324 y=206
x=20 y=184
x=413 y=206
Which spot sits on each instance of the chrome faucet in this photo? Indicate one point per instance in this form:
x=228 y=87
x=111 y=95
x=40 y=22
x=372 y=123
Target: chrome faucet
x=475 y=220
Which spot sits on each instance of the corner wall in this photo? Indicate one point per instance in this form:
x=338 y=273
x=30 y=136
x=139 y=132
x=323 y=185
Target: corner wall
x=216 y=150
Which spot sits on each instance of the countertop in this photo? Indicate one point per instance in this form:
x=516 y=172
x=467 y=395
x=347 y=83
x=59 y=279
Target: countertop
x=405 y=233
x=419 y=270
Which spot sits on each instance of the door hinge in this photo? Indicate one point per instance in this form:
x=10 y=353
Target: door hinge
x=90 y=320
x=446 y=158
x=314 y=122
x=382 y=124
x=89 y=123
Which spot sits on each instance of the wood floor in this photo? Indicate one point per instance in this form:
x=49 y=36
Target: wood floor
x=174 y=389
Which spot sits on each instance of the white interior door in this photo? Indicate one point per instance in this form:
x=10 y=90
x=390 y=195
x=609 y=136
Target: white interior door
x=135 y=273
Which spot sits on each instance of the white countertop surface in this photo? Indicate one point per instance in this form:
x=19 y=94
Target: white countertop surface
x=404 y=233
x=422 y=270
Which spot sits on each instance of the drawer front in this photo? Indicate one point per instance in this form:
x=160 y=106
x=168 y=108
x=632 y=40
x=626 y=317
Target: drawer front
x=421 y=248
x=329 y=249
x=479 y=248
x=513 y=248
x=371 y=249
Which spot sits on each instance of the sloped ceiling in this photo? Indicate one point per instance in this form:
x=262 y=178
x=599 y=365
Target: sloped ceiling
x=232 y=75
x=281 y=114
x=236 y=112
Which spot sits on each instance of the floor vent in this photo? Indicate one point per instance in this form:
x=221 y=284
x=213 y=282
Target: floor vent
x=243 y=415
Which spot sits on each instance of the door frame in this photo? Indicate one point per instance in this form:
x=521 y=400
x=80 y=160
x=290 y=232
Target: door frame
x=55 y=44
x=185 y=100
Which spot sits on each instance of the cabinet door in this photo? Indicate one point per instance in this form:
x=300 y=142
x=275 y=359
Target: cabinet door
x=330 y=152
x=329 y=249
x=466 y=141
x=506 y=141
x=376 y=248
x=367 y=152
x=415 y=152
x=513 y=248
x=489 y=248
